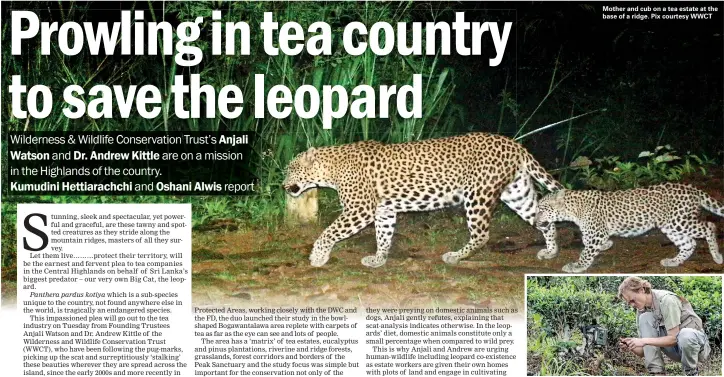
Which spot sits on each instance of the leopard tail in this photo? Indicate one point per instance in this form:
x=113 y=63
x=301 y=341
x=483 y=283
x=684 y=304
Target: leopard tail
x=536 y=170
x=712 y=205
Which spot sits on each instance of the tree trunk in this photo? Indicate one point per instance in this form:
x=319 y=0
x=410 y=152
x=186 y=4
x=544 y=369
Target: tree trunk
x=303 y=209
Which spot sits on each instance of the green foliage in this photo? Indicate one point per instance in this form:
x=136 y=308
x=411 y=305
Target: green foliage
x=569 y=304
x=543 y=343
x=561 y=367
x=9 y=240
x=661 y=165
x=704 y=294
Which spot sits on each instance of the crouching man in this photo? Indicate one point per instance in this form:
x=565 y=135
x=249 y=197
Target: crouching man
x=666 y=324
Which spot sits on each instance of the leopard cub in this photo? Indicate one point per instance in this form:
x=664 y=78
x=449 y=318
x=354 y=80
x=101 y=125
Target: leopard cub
x=671 y=207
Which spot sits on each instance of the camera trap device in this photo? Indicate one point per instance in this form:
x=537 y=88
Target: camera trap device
x=596 y=335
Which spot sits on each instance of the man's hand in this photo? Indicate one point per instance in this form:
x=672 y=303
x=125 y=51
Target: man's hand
x=623 y=344
x=629 y=344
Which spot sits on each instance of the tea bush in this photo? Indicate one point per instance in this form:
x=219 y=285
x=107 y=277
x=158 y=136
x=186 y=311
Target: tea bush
x=704 y=294
x=571 y=305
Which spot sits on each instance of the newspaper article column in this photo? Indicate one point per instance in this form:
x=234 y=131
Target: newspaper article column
x=104 y=288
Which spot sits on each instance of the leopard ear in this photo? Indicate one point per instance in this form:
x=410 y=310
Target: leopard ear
x=310 y=156
x=558 y=195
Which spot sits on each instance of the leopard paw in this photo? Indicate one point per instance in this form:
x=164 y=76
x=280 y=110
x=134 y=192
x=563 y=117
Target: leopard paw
x=574 y=268
x=670 y=262
x=318 y=261
x=373 y=261
x=606 y=245
x=547 y=254
x=451 y=258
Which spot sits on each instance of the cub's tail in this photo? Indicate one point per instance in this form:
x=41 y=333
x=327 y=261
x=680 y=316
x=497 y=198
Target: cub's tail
x=712 y=205
x=541 y=175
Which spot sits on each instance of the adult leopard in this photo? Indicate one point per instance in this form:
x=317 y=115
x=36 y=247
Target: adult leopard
x=672 y=207
x=375 y=181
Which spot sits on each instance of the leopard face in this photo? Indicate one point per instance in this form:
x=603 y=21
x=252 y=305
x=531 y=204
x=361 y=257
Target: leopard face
x=551 y=209
x=304 y=172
